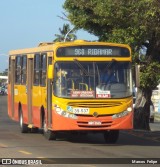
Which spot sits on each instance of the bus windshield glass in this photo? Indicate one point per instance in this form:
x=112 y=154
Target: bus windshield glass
x=92 y=79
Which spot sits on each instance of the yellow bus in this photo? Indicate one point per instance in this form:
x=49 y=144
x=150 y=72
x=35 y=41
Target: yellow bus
x=77 y=86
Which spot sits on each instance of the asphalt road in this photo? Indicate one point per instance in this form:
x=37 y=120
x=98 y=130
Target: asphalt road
x=131 y=144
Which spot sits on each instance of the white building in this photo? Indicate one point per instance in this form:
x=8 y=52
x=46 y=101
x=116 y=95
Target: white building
x=4 y=78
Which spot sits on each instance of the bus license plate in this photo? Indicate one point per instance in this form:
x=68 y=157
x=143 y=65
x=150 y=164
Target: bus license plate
x=81 y=110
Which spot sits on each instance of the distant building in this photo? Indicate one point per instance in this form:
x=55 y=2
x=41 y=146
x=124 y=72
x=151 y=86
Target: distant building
x=4 y=78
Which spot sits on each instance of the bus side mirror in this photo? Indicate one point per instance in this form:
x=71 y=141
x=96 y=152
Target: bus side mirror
x=50 y=72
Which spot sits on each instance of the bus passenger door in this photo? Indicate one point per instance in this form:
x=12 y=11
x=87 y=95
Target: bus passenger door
x=49 y=93
x=43 y=87
x=29 y=88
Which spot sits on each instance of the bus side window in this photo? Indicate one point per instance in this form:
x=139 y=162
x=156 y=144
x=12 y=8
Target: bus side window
x=49 y=61
x=43 y=69
x=36 y=69
x=24 y=68
x=18 y=70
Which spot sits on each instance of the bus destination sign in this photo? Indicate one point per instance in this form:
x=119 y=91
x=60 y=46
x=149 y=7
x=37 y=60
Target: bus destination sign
x=93 y=51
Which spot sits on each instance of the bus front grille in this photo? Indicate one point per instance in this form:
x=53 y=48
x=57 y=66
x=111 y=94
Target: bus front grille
x=94 y=104
x=91 y=116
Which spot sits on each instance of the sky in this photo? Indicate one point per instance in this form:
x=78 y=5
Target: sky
x=26 y=23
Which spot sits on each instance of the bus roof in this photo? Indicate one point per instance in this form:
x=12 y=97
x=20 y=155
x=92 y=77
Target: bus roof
x=32 y=50
x=49 y=46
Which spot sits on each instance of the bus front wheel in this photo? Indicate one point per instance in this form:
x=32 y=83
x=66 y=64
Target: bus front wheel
x=48 y=134
x=23 y=127
x=111 y=136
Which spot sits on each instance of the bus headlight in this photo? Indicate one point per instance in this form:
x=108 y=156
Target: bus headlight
x=122 y=114
x=64 y=113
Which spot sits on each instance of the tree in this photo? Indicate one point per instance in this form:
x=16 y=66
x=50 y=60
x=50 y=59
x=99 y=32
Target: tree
x=131 y=22
x=63 y=32
x=5 y=72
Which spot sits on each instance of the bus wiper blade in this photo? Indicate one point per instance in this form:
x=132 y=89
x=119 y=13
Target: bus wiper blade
x=81 y=67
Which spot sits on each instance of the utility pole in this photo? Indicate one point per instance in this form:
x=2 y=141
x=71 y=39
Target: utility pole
x=67 y=34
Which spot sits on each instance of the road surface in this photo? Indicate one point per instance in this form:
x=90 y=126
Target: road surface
x=131 y=144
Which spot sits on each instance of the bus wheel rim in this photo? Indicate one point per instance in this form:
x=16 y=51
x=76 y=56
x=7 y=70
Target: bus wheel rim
x=21 y=120
x=45 y=126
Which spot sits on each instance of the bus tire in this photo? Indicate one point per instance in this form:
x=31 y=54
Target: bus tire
x=48 y=134
x=23 y=127
x=35 y=130
x=111 y=136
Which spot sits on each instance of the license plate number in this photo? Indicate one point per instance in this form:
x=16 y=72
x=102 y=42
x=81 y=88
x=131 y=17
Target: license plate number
x=81 y=110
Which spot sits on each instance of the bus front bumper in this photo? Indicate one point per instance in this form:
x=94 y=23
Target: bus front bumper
x=90 y=123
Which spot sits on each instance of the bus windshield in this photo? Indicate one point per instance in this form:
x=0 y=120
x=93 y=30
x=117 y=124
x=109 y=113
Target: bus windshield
x=92 y=79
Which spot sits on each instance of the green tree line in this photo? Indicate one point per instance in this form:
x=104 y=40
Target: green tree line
x=130 y=22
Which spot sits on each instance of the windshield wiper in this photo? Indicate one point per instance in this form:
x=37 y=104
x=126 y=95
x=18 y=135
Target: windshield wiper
x=81 y=67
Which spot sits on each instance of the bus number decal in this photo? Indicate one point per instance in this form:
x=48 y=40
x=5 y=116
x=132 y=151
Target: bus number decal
x=79 y=51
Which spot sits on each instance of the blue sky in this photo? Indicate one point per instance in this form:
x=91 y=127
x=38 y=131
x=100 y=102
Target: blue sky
x=25 y=23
